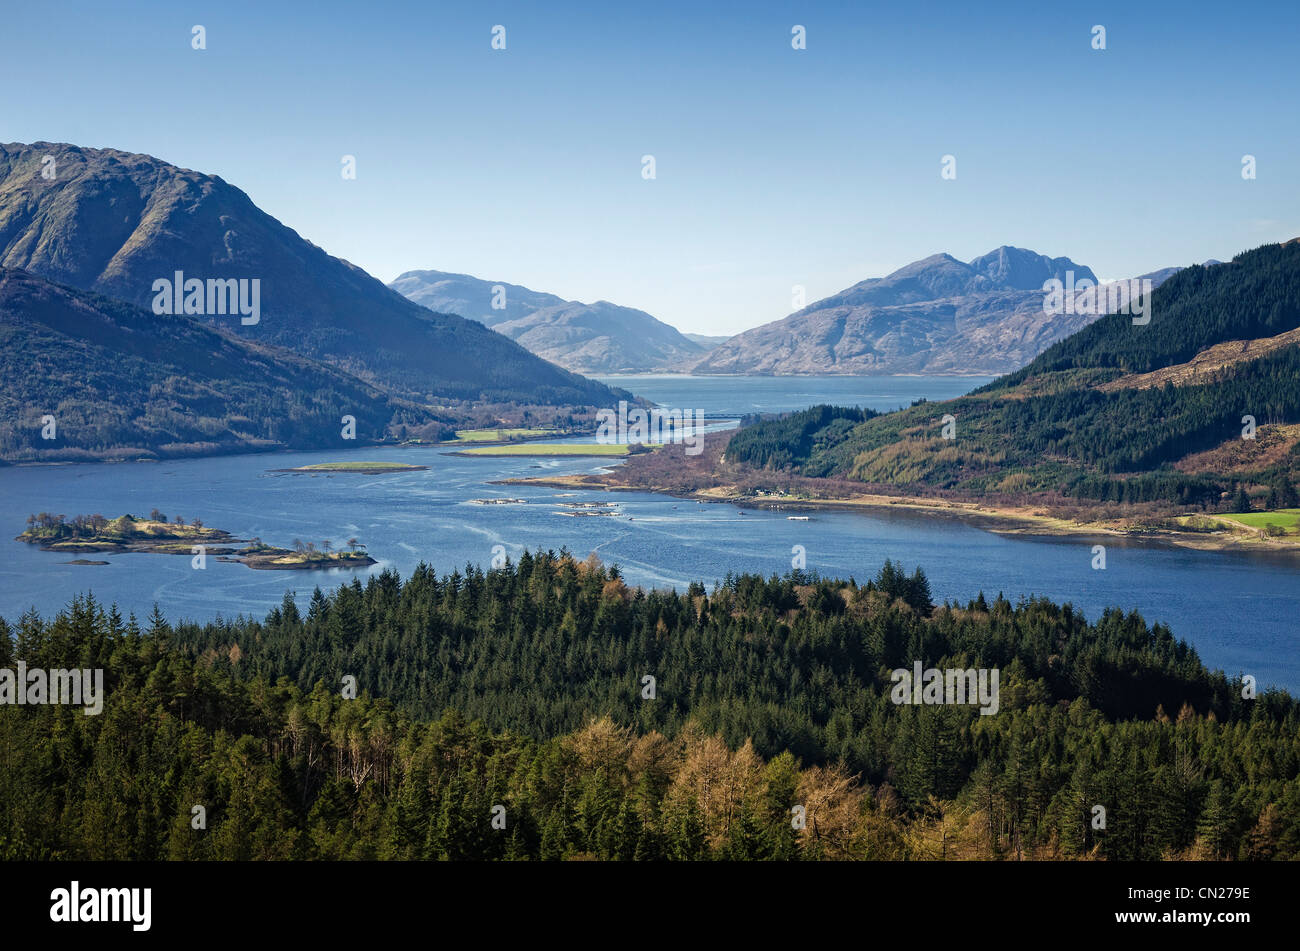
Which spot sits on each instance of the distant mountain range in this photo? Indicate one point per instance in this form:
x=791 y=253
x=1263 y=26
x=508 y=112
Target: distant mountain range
x=115 y=222
x=938 y=315
x=83 y=229
x=585 y=338
x=707 y=341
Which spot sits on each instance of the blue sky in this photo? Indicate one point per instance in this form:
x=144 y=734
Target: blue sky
x=775 y=167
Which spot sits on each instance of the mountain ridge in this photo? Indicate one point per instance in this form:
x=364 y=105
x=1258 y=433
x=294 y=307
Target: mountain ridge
x=600 y=337
x=934 y=315
x=113 y=222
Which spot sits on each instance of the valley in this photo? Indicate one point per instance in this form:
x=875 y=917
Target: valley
x=567 y=448
x=446 y=515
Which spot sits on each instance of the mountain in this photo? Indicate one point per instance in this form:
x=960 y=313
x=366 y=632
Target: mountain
x=115 y=222
x=471 y=297
x=1163 y=274
x=1116 y=413
x=585 y=338
x=936 y=315
x=1019 y=269
x=706 y=341
x=602 y=338
x=121 y=382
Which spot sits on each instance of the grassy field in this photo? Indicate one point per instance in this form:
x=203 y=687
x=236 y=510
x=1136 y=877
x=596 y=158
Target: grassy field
x=1287 y=518
x=551 y=449
x=499 y=435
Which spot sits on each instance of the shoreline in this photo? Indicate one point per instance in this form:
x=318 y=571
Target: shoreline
x=139 y=455
x=1000 y=520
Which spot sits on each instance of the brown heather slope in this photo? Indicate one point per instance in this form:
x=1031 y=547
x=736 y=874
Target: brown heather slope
x=1244 y=457
x=1206 y=363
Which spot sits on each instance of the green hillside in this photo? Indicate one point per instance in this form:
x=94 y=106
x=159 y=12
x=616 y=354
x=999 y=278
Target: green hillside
x=1257 y=294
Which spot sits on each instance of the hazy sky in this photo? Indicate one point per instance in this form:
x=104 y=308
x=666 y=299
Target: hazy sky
x=774 y=167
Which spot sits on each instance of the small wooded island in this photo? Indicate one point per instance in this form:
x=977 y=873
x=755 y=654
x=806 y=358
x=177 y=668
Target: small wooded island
x=127 y=533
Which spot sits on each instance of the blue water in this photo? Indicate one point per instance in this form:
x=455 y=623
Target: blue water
x=1239 y=610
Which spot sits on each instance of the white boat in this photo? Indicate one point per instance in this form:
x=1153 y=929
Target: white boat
x=796 y=518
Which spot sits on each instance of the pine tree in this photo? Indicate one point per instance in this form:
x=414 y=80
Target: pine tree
x=1216 y=823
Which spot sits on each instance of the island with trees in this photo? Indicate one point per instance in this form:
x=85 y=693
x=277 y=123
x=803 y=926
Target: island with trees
x=155 y=534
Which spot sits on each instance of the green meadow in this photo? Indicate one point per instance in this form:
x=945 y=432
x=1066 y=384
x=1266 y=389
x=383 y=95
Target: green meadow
x=1287 y=518
x=500 y=435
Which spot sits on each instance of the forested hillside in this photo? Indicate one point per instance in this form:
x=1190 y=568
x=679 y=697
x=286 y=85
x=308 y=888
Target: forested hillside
x=1257 y=294
x=1075 y=422
x=120 y=382
x=523 y=688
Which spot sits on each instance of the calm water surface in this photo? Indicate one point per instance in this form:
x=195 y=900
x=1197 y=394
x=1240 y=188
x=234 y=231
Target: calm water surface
x=1240 y=611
